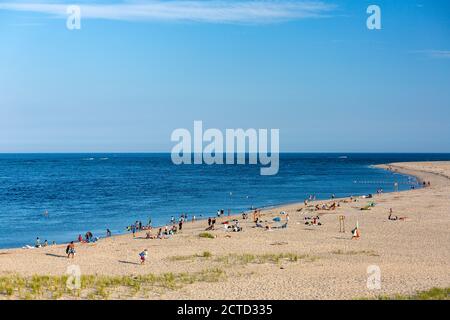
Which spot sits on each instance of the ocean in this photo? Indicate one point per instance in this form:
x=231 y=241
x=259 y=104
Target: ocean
x=92 y=192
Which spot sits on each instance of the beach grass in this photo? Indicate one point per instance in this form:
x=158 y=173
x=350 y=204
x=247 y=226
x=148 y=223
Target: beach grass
x=273 y=258
x=206 y=235
x=99 y=287
x=432 y=294
x=204 y=254
x=352 y=252
x=246 y=258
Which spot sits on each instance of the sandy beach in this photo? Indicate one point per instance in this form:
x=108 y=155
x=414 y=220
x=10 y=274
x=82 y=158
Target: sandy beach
x=298 y=262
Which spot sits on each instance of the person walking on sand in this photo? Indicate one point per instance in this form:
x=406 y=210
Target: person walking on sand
x=133 y=229
x=70 y=250
x=180 y=225
x=143 y=256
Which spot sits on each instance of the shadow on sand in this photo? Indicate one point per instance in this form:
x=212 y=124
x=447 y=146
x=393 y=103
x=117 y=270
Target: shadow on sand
x=55 y=255
x=129 y=262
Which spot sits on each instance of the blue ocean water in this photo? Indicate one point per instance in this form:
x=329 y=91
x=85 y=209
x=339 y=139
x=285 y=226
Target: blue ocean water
x=92 y=192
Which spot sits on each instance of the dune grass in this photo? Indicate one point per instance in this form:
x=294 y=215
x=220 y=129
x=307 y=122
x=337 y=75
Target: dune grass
x=246 y=258
x=206 y=235
x=432 y=294
x=274 y=258
x=352 y=252
x=204 y=254
x=99 y=287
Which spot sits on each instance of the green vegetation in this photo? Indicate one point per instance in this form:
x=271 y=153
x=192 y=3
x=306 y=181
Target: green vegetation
x=247 y=258
x=206 y=235
x=204 y=254
x=432 y=294
x=262 y=258
x=99 y=287
x=362 y=252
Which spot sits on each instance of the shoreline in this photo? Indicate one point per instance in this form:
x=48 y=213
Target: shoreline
x=278 y=206
x=330 y=265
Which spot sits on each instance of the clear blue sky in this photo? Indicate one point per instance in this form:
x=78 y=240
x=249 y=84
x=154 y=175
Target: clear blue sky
x=316 y=73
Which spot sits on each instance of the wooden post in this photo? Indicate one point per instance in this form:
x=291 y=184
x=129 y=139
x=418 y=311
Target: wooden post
x=341 y=224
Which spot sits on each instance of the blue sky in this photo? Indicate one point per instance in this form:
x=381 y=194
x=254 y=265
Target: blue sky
x=126 y=80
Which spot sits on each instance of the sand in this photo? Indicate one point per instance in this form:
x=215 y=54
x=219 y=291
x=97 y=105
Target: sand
x=412 y=255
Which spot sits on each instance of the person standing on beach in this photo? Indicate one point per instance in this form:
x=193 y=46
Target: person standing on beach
x=38 y=243
x=70 y=250
x=133 y=229
x=143 y=256
x=180 y=225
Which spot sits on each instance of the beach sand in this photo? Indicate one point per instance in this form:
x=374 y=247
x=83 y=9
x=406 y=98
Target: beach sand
x=412 y=255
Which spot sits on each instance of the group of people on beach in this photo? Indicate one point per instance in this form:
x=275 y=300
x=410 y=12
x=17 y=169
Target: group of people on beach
x=38 y=243
x=175 y=226
x=89 y=237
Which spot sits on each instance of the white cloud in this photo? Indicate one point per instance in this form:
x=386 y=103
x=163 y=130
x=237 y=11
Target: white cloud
x=211 y=11
x=439 y=54
x=433 y=54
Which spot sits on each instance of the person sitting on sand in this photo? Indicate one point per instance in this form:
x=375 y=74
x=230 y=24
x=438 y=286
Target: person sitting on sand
x=45 y=243
x=236 y=227
x=355 y=234
x=70 y=250
x=258 y=224
x=143 y=256
x=89 y=237
x=392 y=218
